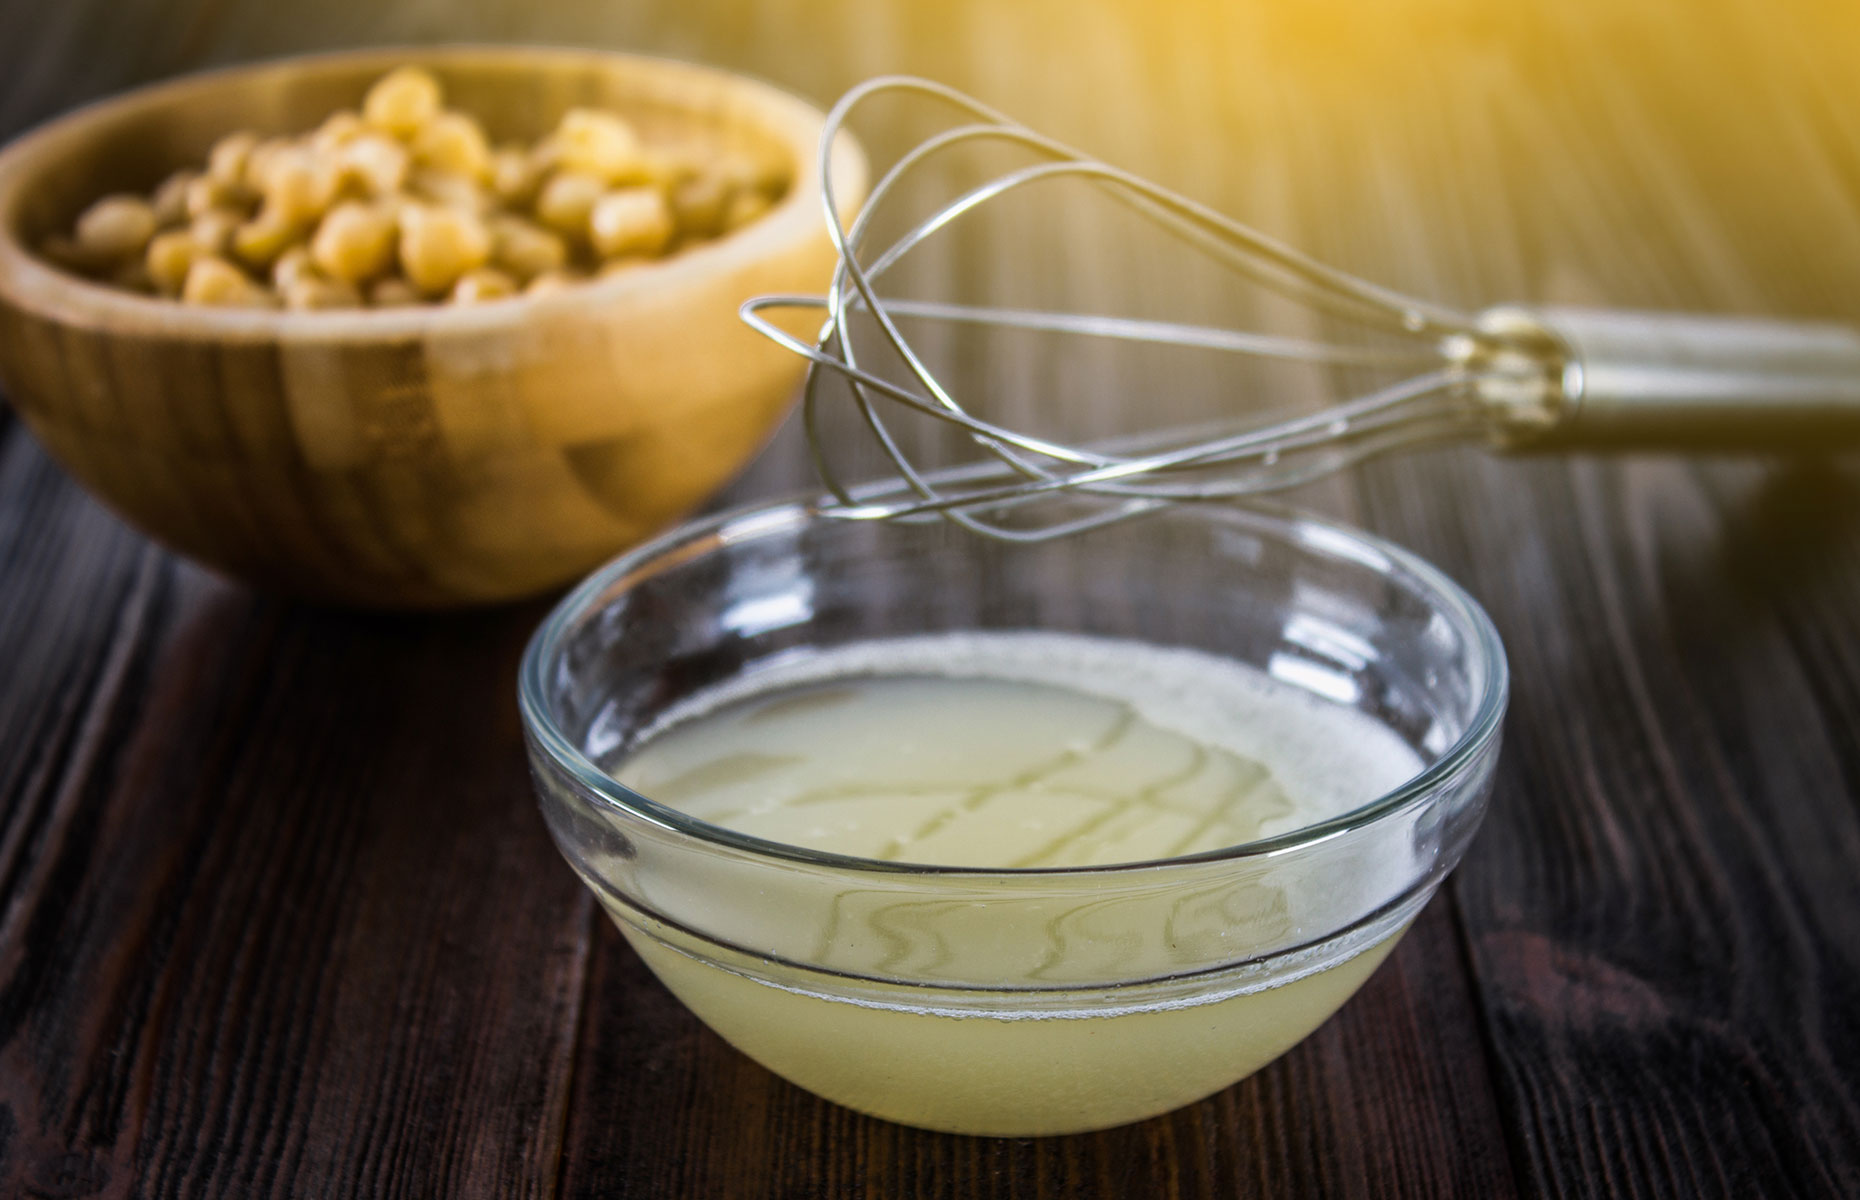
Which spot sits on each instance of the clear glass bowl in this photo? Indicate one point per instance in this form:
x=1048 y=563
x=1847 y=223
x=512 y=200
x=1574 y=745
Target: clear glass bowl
x=1015 y=1002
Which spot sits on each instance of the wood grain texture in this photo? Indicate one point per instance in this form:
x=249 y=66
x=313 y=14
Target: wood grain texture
x=251 y=953
x=277 y=917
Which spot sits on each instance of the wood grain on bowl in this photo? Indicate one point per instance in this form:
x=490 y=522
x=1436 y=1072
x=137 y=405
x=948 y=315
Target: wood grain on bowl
x=414 y=457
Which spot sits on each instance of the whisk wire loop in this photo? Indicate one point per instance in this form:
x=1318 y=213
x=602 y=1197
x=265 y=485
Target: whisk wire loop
x=1426 y=407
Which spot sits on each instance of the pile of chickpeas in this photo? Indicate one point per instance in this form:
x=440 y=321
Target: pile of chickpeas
x=406 y=202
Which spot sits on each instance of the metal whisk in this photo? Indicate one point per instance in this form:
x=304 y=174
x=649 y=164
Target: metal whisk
x=1518 y=378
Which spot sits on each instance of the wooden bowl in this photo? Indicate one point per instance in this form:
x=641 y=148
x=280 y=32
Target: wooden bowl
x=420 y=457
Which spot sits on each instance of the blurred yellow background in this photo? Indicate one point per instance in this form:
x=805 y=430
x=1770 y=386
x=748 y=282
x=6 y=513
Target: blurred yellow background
x=1523 y=126
x=1692 y=154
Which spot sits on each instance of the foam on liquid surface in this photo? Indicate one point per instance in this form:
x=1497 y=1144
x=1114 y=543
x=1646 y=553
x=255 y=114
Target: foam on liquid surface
x=1014 y=750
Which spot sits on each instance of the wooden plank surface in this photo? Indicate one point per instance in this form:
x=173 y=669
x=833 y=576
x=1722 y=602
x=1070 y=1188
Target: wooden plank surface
x=277 y=916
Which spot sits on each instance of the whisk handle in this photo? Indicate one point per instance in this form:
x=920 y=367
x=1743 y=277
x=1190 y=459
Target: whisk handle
x=1631 y=380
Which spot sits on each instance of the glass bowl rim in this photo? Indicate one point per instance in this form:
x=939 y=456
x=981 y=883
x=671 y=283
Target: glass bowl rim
x=688 y=540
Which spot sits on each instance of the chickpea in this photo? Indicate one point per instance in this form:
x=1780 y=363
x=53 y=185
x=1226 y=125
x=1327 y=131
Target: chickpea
x=169 y=258
x=299 y=185
x=437 y=245
x=484 y=284
x=392 y=292
x=214 y=281
x=213 y=229
x=262 y=161
x=261 y=240
x=205 y=193
x=338 y=130
x=115 y=227
x=515 y=176
x=630 y=221
x=354 y=242
x=405 y=201
x=598 y=143
x=525 y=250
x=312 y=291
x=170 y=198
x=454 y=142
x=450 y=189
x=373 y=163
x=402 y=101
x=566 y=202
x=546 y=157
x=200 y=194
x=226 y=161
x=292 y=265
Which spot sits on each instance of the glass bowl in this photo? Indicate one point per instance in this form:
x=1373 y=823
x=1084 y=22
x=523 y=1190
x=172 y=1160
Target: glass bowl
x=1033 y=1001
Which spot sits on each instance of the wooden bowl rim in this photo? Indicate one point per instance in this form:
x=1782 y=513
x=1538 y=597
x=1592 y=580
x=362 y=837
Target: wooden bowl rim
x=34 y=285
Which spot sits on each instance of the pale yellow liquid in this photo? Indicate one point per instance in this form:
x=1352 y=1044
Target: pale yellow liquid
x=1167 y=754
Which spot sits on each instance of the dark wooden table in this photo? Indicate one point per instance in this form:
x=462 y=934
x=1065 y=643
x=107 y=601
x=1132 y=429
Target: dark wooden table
x=278 y=917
